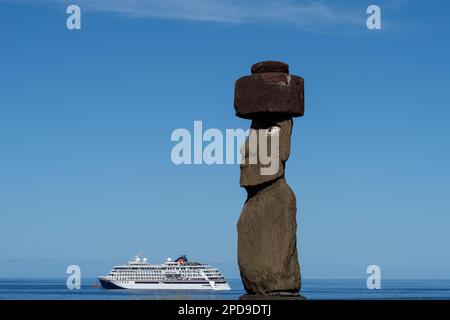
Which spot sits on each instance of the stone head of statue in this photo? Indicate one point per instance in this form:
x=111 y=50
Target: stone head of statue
x=265 y=151
x=270 y=97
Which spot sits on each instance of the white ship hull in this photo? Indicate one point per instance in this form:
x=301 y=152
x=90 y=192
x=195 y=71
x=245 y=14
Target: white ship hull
x=180 y=274
x=143 y=285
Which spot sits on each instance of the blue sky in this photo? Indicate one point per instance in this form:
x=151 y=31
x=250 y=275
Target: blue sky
x=86 y=118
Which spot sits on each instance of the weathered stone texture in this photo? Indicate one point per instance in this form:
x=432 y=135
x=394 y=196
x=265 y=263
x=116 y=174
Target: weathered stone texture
x=267 y=227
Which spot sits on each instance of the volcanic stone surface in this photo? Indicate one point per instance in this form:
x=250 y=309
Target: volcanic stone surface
x=251 y=173
x=269 y=90
x=267 y=250
x=267 y=226
x=270 y=66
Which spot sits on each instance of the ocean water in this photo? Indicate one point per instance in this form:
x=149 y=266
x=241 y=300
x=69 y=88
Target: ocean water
x=55 y=289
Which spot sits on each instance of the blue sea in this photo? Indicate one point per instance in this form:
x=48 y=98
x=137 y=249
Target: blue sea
x=55 y=289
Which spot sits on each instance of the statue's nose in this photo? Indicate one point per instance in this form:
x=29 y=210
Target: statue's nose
x=249 y=148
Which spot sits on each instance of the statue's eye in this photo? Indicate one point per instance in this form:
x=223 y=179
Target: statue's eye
x=273 y=131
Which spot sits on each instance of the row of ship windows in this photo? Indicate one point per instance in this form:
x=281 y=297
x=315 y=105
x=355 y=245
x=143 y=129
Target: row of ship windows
x=140 y=278
x=148 y=272
x=123 y=281
x=162 y=276
x=133 y=269
x=162 y=271
x=158 y=279
x=159 y=272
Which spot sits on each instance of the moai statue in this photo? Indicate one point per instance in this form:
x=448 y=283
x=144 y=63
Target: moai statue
x=267 y=245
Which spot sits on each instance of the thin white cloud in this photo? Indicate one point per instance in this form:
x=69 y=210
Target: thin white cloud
x=228 y=11
x=312 y=15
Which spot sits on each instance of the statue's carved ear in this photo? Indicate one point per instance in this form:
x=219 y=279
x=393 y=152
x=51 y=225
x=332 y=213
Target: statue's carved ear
x=285 y=138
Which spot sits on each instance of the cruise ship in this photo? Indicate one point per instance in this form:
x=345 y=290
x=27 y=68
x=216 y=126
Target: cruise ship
x=177 y=274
